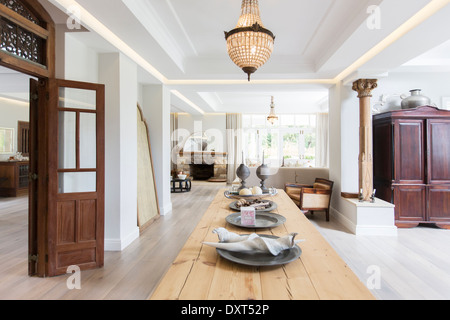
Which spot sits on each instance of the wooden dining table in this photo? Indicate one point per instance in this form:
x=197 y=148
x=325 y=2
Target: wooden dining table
x=200 y=273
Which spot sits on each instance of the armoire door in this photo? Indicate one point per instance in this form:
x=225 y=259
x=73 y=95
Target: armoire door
x=439 y=204
x=410 y=152
x=71 y=231
x=410 y=204
x=438 y=151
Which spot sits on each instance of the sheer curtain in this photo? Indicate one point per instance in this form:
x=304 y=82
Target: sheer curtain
x=322 y=140
x=174 y=142
x=234 y=144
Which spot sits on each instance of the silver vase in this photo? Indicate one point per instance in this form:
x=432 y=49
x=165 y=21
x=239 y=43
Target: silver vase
x=263 y=174
x=415 y=100
x=243 y=172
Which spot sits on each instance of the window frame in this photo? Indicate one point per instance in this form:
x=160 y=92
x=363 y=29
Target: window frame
x=248 y=126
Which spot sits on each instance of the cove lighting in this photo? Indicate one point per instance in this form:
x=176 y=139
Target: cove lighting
x=189 y=102
x=426 y=12
x=91 y=23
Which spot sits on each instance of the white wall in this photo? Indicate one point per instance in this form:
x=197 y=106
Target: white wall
x=81 y=62
x=335 y=144
x=156 y=108
x=119 y=74
x=128 y=149
x=349 y=152
x=434 y=85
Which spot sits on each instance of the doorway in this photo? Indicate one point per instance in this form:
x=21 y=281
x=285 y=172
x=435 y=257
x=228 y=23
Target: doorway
x=65 y=144
x=14 y=108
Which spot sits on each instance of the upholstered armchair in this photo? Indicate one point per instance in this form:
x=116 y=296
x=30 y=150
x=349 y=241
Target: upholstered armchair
x=312 y=198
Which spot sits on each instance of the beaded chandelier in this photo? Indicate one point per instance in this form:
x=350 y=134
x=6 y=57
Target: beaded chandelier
x=250 y=45
x=272 y=118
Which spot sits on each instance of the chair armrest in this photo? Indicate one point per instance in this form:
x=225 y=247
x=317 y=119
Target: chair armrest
x=299 y=186
x=293 y=191
x=315 y=191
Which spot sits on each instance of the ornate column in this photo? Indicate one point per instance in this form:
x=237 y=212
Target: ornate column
x=364 y=88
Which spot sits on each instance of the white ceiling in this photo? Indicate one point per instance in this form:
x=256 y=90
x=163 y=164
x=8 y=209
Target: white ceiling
x=317 y=42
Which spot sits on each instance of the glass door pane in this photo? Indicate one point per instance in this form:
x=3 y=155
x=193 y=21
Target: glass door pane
x=77 y=140
x=75 y=182
x=88 y=140
x=77 y=98
x=67 y=134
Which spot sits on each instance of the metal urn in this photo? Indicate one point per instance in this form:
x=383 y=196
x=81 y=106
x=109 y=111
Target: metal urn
x=415 y=100
x=243 y=172
x=263 y=173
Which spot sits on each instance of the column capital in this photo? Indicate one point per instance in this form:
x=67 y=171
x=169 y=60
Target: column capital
x=364 y=87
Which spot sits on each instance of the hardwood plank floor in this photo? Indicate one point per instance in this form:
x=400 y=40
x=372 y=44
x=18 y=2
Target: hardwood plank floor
x=414 y=265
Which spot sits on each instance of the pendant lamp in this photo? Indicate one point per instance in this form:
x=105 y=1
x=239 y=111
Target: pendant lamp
x=272 y=118
x=250 y=45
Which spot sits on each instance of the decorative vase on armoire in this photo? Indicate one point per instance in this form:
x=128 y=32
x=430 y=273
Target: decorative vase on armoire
x=412 y=164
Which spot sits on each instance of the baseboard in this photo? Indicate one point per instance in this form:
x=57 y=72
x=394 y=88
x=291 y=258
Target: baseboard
x=121 y=244
x=363 y=230
x=164 y=210
x=343 y=220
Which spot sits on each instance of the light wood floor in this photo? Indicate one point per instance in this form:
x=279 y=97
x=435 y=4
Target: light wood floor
x=414 y=265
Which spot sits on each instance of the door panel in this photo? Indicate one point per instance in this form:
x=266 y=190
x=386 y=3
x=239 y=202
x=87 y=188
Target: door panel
x=38 y=176
x=66 y=219
x=438 y=151
x=410 y=155
x=33 y=183
x=75 y=219
x=410 y=203
x=439 y=203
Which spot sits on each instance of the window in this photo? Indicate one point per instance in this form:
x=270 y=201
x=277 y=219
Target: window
x=6 y=140
x=291 y=142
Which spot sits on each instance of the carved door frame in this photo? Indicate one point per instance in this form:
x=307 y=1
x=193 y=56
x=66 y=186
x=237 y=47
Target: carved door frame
x=27 y=45
x=27 y=38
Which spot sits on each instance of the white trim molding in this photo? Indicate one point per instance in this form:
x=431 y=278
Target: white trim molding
x=367 y=219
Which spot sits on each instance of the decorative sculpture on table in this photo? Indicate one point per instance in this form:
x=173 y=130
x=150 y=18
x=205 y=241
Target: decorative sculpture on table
x=263 y=173
x=243 y=172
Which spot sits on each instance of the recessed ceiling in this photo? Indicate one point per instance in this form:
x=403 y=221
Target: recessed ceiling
x=317 y=43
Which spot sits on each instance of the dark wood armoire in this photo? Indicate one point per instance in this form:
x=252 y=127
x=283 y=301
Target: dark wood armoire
x=412 y=164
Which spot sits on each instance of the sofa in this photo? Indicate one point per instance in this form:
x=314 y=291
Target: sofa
x=282 y=176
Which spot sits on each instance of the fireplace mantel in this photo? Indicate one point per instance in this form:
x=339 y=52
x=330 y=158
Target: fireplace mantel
x=218 y=160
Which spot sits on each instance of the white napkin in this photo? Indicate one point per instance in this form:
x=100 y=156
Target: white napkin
x=253 y=243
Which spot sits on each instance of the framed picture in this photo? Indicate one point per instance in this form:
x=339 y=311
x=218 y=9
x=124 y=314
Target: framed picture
x=446 y=103
x=6 y=140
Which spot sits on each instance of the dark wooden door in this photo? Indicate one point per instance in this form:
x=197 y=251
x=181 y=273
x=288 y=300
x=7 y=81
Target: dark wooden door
x=37 y=186
x=439 y=204
x=438 y=153
x=410 y=204
x=71 y=230
x=410 y=152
